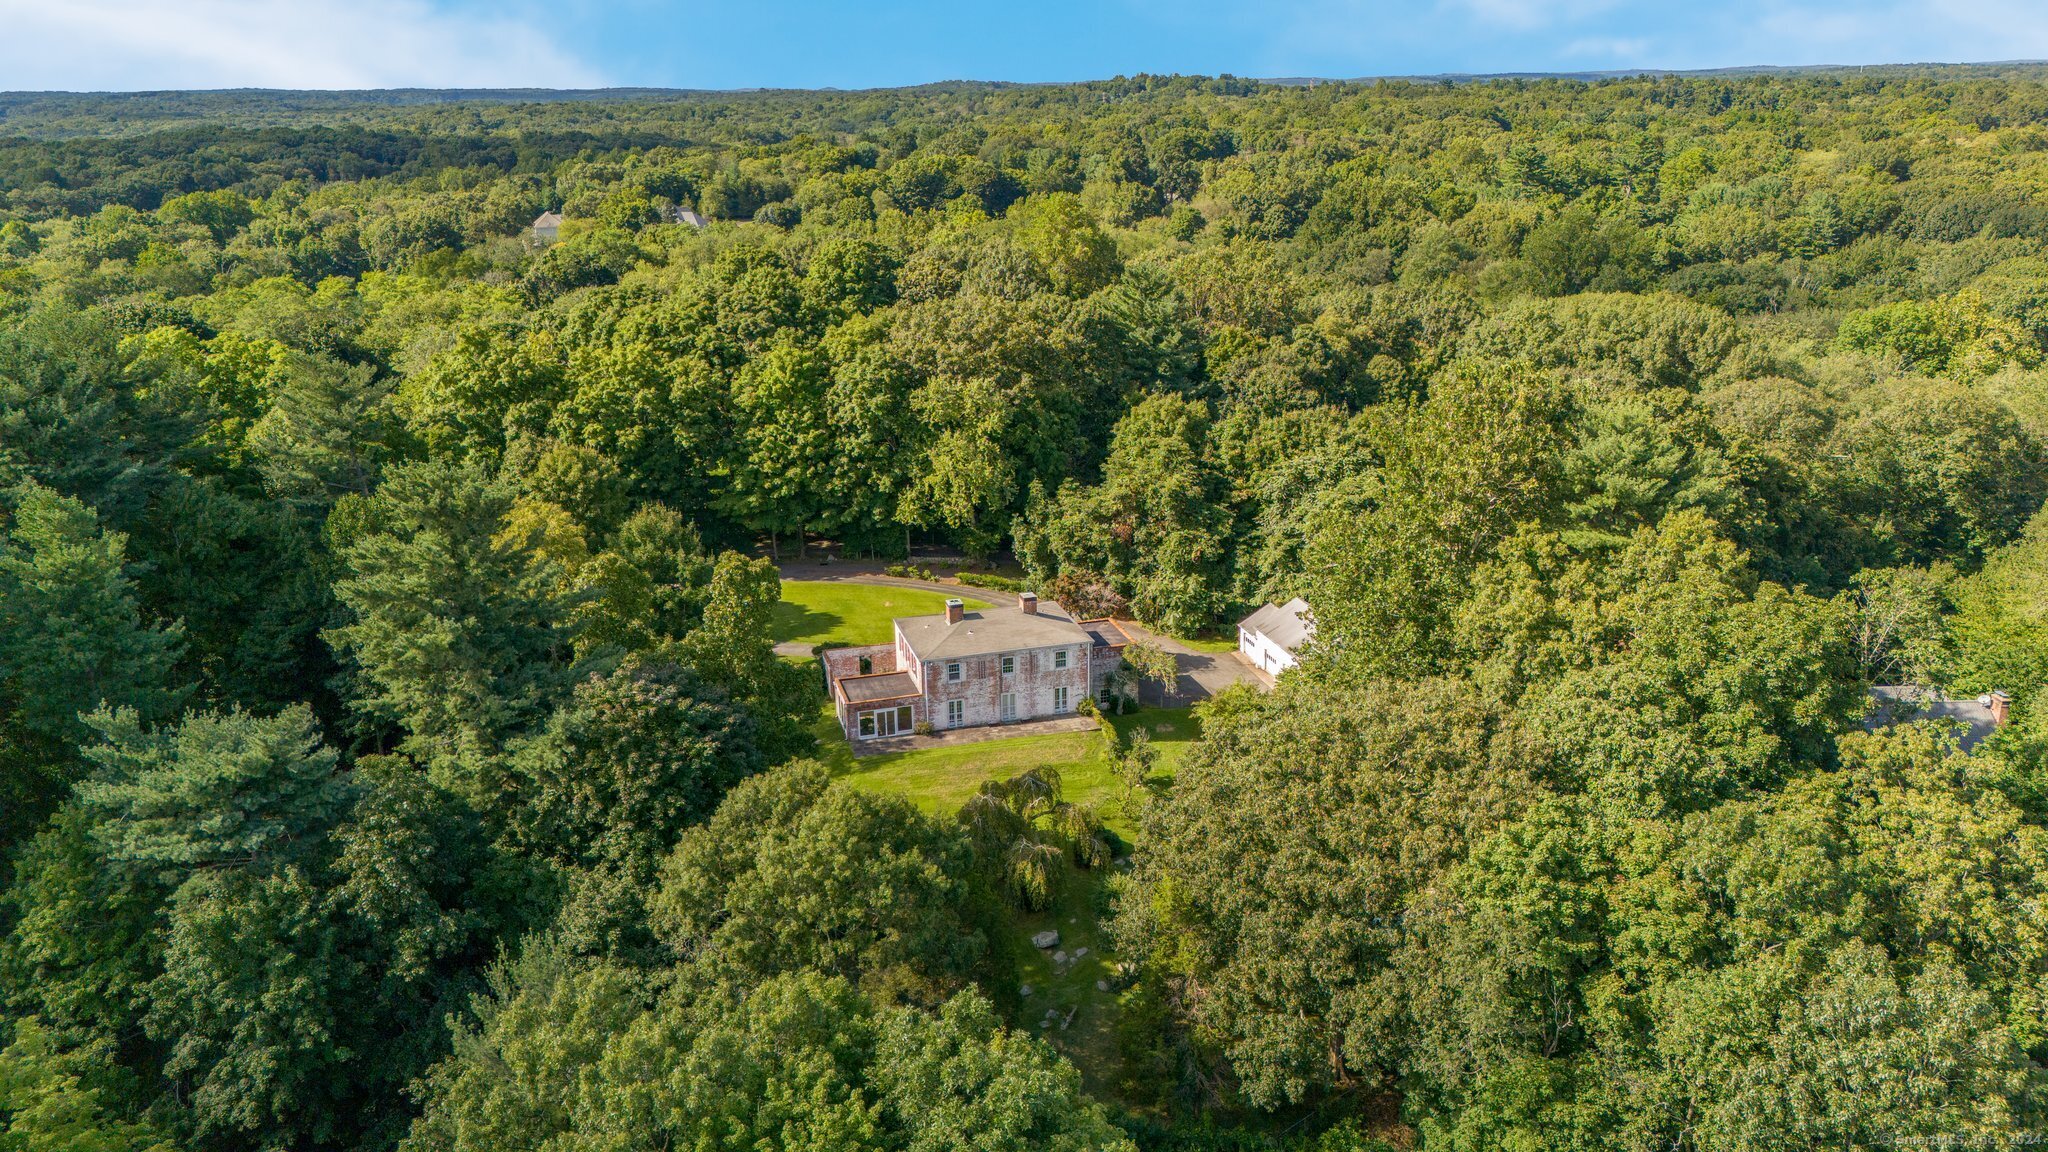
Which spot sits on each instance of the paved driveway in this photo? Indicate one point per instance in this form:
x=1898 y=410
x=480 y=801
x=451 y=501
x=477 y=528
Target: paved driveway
x=1201 y=674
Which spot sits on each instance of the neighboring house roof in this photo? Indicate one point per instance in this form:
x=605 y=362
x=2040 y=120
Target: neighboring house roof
x=990 y=631
x=548 y=220
x=1287 y=625
x=686 y=216
x=881 y=686
x=1902 y=703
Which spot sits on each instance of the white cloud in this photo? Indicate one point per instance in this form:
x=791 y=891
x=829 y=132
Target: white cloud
x=149 y=44
x=1529 y=15
x=1627 y=51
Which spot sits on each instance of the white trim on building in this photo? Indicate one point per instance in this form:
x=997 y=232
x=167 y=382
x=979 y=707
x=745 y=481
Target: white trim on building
x=1272 y=638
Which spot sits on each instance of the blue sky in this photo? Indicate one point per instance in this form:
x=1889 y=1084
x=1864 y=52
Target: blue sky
x=141 y=44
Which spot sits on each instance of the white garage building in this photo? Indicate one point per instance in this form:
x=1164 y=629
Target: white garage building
x=1271 y=637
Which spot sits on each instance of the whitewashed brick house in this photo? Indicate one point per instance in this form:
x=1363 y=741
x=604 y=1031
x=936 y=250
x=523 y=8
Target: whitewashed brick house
x=962 y=669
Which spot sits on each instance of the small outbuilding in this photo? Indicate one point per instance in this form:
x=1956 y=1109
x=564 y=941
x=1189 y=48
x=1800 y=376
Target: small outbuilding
x=547 y=227
x=1272 y=638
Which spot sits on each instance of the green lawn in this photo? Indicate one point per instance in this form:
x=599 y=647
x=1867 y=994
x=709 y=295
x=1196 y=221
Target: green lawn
x=834 y=612
x=940 y=779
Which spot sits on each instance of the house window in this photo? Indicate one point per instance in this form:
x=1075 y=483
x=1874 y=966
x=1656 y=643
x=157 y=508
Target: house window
x=1059 y=700
x=1009 y=665
x=1059 y=658
x=1009 y=705
x=903 y=723
x=867 y=665
x=867 y=724
x=956 y=712
x=953 y=672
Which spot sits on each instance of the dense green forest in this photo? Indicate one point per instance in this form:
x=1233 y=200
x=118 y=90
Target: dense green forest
x=393 y=755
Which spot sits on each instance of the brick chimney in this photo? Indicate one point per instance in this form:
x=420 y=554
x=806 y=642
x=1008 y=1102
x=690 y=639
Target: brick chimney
x=1028 y=601
x=955 y=610
x=2000 y=705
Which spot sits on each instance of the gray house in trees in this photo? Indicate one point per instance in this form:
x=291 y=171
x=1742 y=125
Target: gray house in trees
x=1973 y=718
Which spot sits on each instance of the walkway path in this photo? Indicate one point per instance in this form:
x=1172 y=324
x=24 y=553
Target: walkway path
x=1200 y=674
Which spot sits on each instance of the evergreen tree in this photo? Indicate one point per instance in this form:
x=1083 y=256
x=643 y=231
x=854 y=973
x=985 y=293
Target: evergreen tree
x=220 y=790
x=71 y=639
x=457 y=631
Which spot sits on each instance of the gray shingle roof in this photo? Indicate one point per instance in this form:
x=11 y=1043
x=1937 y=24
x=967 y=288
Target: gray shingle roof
x=1287 y=625
x=991 y=630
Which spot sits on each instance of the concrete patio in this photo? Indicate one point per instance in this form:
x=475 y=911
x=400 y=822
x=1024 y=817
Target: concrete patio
x=951 y=736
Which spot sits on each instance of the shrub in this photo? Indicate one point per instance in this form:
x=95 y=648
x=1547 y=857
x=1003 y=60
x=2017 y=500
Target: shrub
x=991 y=580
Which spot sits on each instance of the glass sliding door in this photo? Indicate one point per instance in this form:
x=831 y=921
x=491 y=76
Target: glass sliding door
x=886 y=722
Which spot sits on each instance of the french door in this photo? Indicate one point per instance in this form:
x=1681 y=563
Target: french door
x=885 y=722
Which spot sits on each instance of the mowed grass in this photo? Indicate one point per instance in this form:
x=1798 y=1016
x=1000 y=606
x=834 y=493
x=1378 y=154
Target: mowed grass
x=1065 y=1006
x=941 y=778
x=835 y=612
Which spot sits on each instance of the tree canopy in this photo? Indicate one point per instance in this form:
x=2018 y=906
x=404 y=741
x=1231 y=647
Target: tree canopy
x=402 y=745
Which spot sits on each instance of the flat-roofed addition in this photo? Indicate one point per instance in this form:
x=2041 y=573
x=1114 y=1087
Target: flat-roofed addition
x=870 y=689
x=1106 y=633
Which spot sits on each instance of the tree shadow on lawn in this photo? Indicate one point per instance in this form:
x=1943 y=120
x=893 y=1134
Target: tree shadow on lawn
x=801 y=622
x=1163 y=725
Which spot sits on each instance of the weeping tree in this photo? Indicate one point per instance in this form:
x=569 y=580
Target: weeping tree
x=1026 y=835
